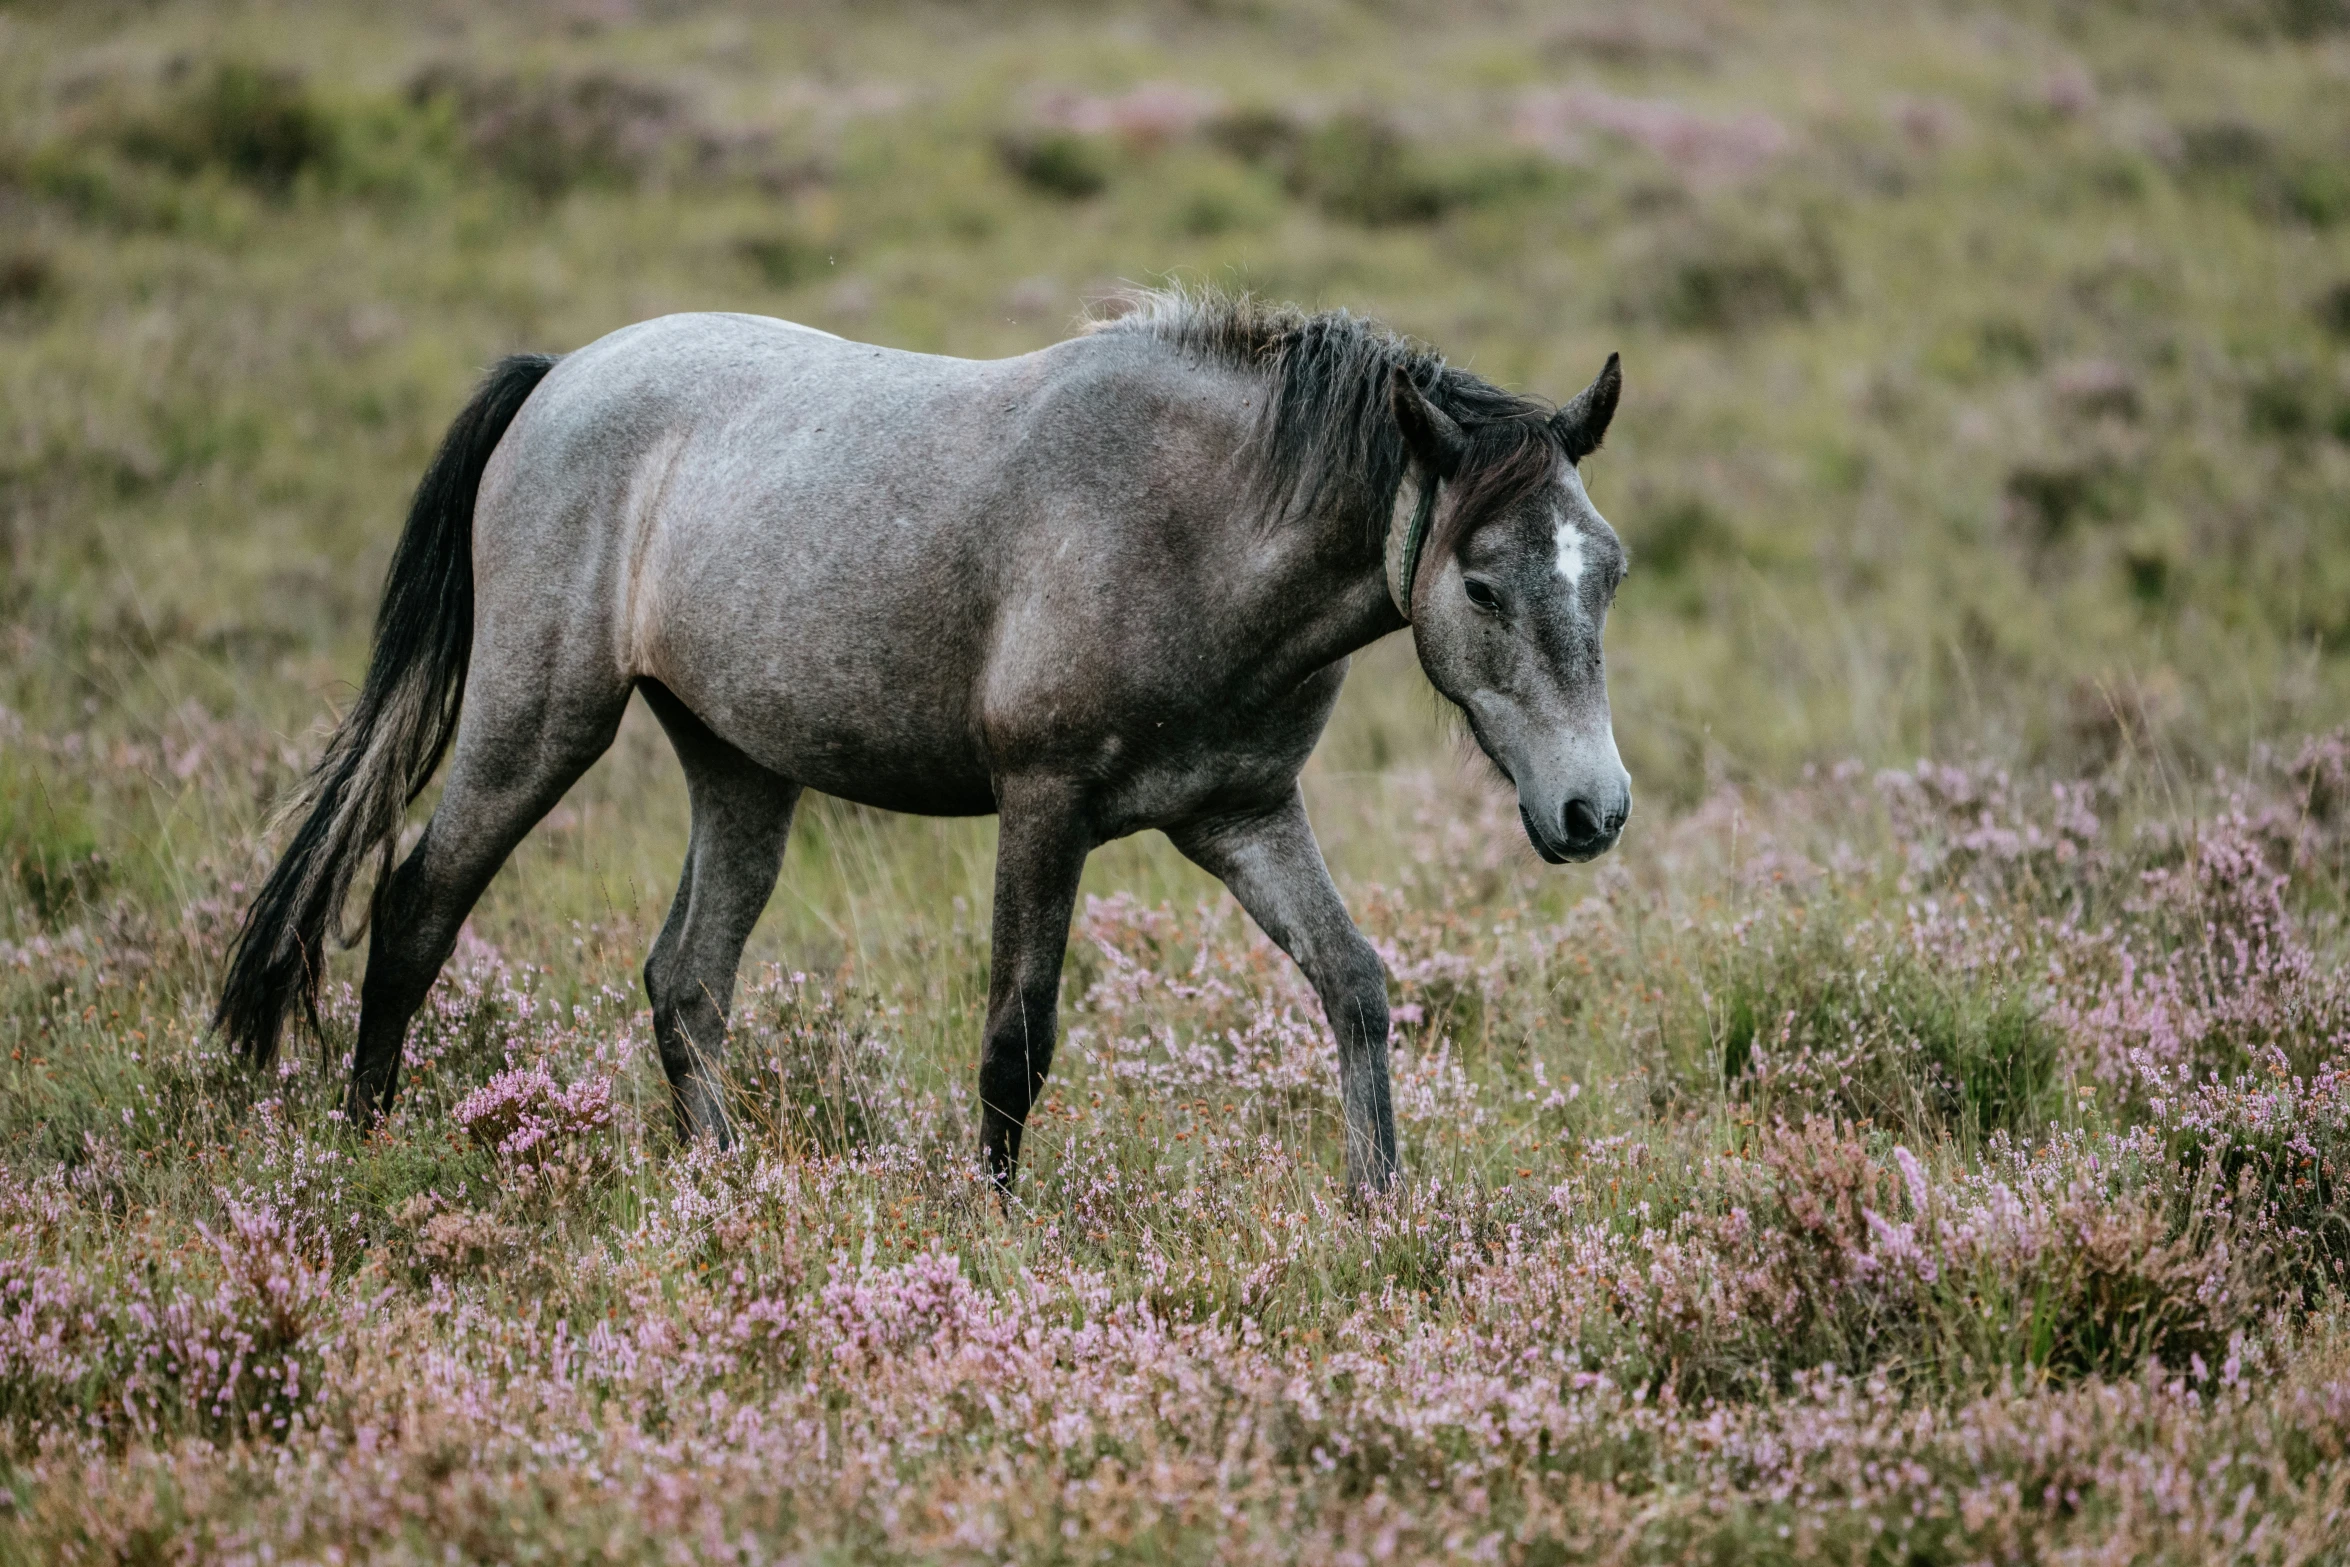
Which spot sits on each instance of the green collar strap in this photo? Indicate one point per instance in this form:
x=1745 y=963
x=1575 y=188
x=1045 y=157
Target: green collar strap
x=1407 y=535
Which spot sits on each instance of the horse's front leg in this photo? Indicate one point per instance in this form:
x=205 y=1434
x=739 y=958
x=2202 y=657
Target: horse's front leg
x=1040 y=852
x=1274 y=867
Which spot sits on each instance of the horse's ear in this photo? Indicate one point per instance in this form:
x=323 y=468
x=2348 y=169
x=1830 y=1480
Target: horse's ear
x=1436 y=442
x=1582 y=424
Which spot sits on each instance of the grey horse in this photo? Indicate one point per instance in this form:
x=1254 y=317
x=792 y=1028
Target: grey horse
x=1109 y=585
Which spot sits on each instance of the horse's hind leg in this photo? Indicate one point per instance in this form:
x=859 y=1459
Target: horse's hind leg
x=519 y=746
x=742 y=815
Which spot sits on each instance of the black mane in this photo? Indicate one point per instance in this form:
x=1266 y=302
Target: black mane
x=1330 y=439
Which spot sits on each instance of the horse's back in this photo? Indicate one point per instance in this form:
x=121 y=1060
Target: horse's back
x=787 y=529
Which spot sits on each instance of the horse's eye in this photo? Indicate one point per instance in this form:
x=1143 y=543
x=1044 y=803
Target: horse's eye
x=1481 y=595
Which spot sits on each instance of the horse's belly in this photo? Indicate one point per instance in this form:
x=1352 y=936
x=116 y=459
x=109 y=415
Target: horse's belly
x=921 y=784
x=898 y=744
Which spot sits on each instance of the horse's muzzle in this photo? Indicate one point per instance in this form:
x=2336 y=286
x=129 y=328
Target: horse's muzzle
x=1586 y=829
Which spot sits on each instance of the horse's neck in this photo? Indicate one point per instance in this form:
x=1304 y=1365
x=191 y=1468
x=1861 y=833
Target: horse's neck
x=1314 y=588
x=1328 y=598
x=1370 y=602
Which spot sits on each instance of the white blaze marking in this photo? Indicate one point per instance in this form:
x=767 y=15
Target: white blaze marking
x=1570 y=539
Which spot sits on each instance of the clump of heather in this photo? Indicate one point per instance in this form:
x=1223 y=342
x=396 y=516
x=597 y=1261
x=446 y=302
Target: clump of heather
x=541 y=1133
x=1978 y=828
x=2214 y=969
x=2276 y=1146
x=220 y=1338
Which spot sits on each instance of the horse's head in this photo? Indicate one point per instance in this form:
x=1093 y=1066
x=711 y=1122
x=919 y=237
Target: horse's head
x=1508 y=605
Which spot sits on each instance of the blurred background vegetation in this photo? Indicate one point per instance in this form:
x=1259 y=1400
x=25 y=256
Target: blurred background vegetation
x=1989 y=367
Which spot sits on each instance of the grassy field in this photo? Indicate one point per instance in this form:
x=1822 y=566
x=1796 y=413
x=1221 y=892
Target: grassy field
x=1878 y=1159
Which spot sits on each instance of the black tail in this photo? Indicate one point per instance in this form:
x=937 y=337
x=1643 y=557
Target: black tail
x=388 y=744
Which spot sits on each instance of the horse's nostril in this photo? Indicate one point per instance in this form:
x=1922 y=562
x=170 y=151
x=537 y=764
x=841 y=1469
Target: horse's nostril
x=1582 y=821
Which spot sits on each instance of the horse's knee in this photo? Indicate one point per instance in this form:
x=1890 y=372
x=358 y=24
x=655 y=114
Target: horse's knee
x=661 y=990
x=1024 y=1027
x=1353 y=983
x=658 y=990
x=1012 y=1073
x=676 y=1023
x=690 y=1043
x=1358 y=968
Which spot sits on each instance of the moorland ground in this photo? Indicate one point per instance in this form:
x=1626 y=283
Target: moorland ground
x=1876 y=1159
